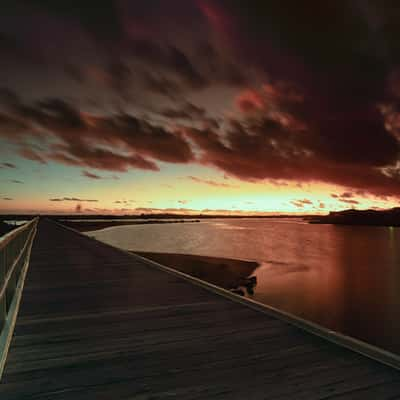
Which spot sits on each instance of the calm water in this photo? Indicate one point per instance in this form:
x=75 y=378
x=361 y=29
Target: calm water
x=345 y=278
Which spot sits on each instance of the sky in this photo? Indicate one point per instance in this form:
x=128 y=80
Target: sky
x=191 y=106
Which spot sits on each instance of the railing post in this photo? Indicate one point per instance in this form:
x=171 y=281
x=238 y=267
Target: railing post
x=3 y=311
x=13 y=254
x=11 y=250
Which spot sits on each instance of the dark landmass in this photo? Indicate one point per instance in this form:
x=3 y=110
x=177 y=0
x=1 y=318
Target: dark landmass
x=224 y=272
x=5 y=228
x=87 y=226
x=389 y=217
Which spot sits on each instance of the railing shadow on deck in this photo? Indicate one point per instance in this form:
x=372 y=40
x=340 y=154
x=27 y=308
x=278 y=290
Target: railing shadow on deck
x=15 y=248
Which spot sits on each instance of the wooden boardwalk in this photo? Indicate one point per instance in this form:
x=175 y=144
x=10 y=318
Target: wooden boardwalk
x=96 y=323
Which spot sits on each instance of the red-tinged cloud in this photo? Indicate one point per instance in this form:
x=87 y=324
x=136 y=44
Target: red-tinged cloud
x=349 y=201
x=115 y=143
x=250 y=100
x=32 y=155
x=301 y=203
x=267 y=148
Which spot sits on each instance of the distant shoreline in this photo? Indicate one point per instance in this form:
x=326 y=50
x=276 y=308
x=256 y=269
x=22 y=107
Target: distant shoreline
x=384 y=218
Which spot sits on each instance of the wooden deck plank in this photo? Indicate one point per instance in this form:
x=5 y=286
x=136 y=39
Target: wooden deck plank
x=96 y=323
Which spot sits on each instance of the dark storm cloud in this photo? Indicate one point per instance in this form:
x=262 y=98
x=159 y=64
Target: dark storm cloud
x=10 y=127
x=170 y=59
x=190 y=113
x=317 y=87
x=99 y=18
x=187 y=111
x=162 y=85
x=264 y=148
x=116 y=142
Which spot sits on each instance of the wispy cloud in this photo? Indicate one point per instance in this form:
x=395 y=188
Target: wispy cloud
x=72 y=199
x=91 y=175
x=301 y=203
x=210 y=182
x=124 y=201
x=7 y=165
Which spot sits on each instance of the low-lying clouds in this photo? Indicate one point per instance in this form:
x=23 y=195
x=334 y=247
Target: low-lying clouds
x=301 y=203
x=210 y=182
x=73 y=199
x=91 y=175
x=7 y=165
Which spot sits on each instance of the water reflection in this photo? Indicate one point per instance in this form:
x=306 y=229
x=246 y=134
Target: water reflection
x=345 y=278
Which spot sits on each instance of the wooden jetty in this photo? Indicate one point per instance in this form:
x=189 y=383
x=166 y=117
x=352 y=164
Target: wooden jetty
x=95 y=322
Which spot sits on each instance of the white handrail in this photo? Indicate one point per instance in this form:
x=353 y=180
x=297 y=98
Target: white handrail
x=13 y=251
x=13 y=268
x=5 y=239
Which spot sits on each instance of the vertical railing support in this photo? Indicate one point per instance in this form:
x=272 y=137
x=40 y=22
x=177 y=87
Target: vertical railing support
x=15 y=249
x=3 y=306
x=13 y=252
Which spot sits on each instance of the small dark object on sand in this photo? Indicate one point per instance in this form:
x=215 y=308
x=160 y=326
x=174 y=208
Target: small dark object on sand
x=253 y=279
x=249 y=282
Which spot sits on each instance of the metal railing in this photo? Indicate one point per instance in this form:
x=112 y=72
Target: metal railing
x=14 y=256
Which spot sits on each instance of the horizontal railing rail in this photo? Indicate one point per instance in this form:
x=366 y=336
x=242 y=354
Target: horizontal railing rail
x=14 y=255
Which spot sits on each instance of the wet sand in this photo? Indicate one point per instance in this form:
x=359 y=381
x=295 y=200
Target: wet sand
x=224 y=272
x=88 y=226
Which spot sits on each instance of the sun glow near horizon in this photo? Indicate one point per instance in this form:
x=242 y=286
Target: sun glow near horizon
x=191 y=194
